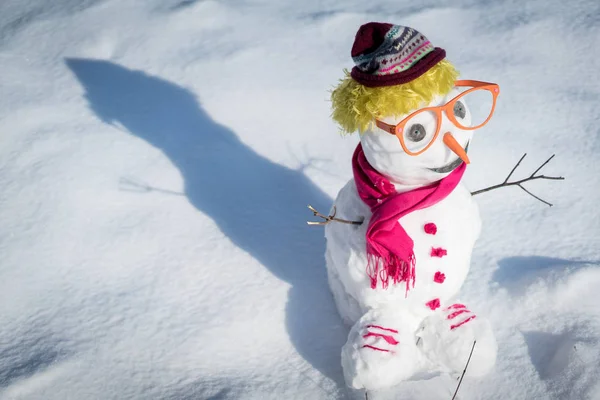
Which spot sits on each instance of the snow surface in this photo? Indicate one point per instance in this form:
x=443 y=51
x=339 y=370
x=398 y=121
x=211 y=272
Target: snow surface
x=156 y=159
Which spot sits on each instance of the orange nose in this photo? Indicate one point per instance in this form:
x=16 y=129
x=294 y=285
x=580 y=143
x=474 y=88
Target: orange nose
x=456 y=147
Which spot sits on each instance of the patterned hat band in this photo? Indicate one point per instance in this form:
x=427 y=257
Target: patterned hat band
x=386 y=55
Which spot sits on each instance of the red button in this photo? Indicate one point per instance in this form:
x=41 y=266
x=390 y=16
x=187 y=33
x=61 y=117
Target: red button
x=439 y=277
x=438 y=252
x=430 y=228
x=433 y=304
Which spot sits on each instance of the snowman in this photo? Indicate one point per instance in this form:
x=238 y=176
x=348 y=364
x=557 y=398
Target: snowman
x=396 y=267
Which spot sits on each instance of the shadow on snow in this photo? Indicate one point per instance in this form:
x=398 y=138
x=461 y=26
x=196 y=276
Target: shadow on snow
x=258 y=204
x=518 y=273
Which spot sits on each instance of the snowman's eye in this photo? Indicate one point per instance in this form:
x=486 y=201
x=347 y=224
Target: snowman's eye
x=459 y=110
x=416 y=133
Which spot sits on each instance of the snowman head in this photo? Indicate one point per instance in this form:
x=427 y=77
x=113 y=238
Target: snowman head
x=415 y=119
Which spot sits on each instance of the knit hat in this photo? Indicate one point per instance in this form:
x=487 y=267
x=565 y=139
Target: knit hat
x=387 y=54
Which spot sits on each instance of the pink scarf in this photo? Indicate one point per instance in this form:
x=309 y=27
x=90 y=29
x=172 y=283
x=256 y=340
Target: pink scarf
x=389 y=248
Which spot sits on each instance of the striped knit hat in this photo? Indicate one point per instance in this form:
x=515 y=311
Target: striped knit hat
x=386 y=55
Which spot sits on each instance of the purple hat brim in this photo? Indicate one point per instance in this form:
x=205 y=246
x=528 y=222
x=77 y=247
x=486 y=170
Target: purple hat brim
x=415 y=71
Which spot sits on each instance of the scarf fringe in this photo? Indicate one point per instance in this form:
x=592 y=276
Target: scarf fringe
x=391 y=268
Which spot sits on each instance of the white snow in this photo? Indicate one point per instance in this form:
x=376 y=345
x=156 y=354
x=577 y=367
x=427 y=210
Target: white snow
x=156 y=159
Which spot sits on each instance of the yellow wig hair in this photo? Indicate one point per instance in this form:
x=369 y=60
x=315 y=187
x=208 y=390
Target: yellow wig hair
x=355 y=106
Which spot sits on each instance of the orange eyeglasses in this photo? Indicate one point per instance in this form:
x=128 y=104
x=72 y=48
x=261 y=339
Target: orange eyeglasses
x=418 y=131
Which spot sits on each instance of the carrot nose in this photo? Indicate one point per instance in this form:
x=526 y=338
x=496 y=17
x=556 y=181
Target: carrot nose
x=456 y=147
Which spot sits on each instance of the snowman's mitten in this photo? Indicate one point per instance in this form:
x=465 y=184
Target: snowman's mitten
x=380 y=351
x=446 y=339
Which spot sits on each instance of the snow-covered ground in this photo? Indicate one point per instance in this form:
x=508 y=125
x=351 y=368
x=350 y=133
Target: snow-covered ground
x=156 y=159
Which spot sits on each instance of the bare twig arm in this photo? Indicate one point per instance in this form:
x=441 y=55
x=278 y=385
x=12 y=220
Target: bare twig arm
x=519 y=183
x=487 y=189
x=329 y=218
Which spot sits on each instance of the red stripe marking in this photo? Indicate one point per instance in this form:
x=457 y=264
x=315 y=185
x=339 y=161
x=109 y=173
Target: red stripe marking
x=462 y=323
x=455 y=313
x=456 y=306
x=382 y=328
x=375 y=348
x=387 y=338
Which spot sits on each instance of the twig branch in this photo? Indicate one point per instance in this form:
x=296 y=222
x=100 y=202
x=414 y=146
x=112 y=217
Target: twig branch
x=464 y=371
x=515 y=167
x=132 y=185
x=533 y=195
x=329 y=218
x=543 y=165
x=519 y=183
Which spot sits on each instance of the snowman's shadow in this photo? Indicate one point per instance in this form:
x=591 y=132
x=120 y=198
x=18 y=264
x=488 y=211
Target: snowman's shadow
x=258 y=204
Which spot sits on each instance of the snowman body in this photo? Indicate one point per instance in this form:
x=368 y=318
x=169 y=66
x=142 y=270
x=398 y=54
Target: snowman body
x=443 y=234
x=399 y=334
